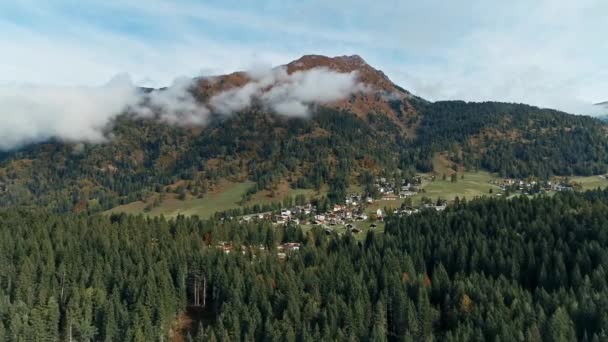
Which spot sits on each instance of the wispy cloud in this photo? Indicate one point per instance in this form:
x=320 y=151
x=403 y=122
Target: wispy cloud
x=33 y=113
x=36 y=113
x=546 y=52
x=291 y=94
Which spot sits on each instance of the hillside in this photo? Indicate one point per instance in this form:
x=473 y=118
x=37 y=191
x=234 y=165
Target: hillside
x=378 y=128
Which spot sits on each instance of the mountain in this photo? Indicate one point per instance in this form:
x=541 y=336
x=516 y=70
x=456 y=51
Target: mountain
x=378 y=127
x=381 y=96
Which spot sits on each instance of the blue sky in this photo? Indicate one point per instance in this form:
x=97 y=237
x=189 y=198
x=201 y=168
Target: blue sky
x=550 y=53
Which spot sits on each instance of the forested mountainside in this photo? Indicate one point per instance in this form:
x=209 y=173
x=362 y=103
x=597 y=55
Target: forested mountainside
x=330 y=148
x=384 y=129
x=516 y=140
x=521 y=269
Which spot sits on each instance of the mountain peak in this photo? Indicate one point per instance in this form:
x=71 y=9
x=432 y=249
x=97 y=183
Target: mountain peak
x=381 y=97
x=341 y=62
x=345 y=64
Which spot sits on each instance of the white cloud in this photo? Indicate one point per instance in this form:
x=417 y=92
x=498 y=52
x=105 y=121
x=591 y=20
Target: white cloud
x=83 y=114
x=291 y=94
x=292 y=108
x=36 y=113
x=546 y=52
x=174 y=105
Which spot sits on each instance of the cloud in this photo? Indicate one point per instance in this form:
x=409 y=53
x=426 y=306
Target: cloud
x=291 y=94
x=174 y=105
x=34 y=113
x=556 y=60
x=552 y=61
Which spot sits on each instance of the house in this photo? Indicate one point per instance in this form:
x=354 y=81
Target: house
x=225 y=247
x=438 y=207
x=288 y=247
x=228 y=248
x=292 y=246
x=409 y=210
x=280 y=219
x=389 y=197
x=338 y=208
x=406 y=193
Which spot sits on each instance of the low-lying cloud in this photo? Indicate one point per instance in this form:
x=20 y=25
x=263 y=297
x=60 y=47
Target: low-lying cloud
x=291 y=94
x=32 y=113
x=174 y=105
x=37 y=113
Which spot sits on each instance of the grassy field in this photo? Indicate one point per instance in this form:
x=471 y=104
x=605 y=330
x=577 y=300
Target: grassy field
x=442 y=166
x=283 y=190
x=380 y=204
x=474 y=184
x=468 y=184
x=226 y=196
x=591 y=182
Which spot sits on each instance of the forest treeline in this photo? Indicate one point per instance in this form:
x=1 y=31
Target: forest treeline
x=489 y=269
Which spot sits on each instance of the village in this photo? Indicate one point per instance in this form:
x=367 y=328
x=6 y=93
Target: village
x=282 y=249
x=353 y=214
x=510 y=186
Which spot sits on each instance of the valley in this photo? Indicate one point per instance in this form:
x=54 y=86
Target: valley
x=444 y=184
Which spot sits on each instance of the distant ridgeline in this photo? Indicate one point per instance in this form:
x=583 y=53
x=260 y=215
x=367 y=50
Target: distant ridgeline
x=330 y=148
x=604 y=108
x=488 y=270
